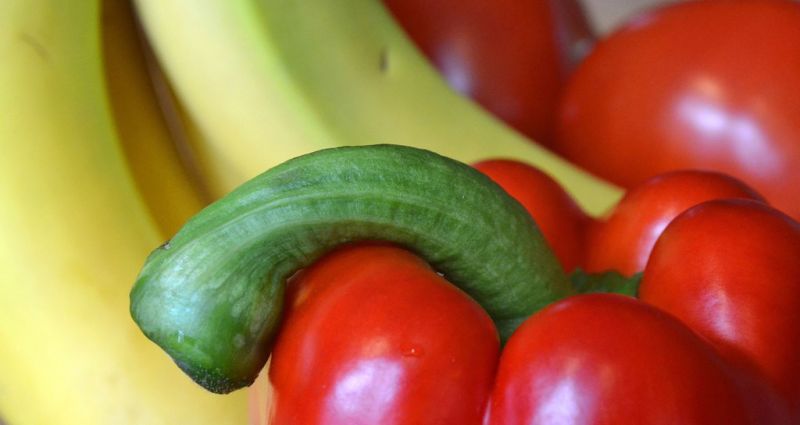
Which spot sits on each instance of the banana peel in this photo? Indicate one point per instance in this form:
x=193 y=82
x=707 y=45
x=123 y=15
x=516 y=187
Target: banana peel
x=276 y=79
x=75 y=230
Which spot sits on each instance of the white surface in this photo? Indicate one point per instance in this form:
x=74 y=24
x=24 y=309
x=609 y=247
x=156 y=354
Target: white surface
x=605 y=15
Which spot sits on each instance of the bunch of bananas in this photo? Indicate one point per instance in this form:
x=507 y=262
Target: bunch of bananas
x=95 y=174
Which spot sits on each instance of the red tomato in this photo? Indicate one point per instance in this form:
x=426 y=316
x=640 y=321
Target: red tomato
x=372 y=335
x=703 y=85
x=511 y=56
x=611 y=359
x=731 y=271
x=560 y=219
x=624 y=239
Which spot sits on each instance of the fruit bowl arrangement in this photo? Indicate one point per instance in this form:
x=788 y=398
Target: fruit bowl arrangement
x=396 y=212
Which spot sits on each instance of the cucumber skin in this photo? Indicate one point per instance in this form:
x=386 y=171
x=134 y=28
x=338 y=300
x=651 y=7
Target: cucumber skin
x=212 y=296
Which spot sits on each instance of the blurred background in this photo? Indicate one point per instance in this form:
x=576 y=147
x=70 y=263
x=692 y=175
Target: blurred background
x=605 y=14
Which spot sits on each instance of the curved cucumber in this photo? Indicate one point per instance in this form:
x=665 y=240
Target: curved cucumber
x=212 y=296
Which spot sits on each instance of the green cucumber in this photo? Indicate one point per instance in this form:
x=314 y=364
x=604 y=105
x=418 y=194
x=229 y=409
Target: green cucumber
x=212 y=296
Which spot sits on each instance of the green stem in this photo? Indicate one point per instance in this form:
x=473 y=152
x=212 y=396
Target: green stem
x=211 y=297
x=608 y=282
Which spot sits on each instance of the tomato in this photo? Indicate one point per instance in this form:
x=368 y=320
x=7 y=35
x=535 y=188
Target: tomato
x=703 y=85
x=511 y=56
x=730 y=269
x=374 y=336
x=559 y=217
x=611 y=359
x=623 y=240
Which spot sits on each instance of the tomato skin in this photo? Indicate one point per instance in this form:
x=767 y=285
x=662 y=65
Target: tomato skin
x=704 y=85
x=730 y=270
x=374 y=336
x=510 y=56
x=558 y=216
x=611 y=359
x=623 y=240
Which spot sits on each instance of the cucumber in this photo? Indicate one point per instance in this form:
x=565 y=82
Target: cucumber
x=212 y=296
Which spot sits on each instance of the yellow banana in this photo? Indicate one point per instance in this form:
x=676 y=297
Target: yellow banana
x=268 y=80
x=74 y=231
x=172 y=193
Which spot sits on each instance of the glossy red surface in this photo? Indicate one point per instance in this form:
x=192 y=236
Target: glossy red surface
x=623 y=240
x=610 y=359
x=374 y=336
x=731 y=271
x=700 y=84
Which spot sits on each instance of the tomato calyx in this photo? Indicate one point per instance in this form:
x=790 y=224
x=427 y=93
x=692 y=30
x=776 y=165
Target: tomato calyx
x=610 y=281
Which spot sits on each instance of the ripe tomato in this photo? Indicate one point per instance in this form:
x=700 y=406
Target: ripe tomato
x=611 y=359
x=511 y=56
x=704 y=85
x=730 y=270
x=372 y=335
x=623 y=240
x=559 y=217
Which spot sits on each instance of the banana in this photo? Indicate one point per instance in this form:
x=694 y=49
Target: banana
x=75 y=230
x=170 y=191
x=268 y=80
